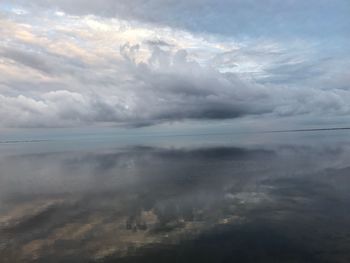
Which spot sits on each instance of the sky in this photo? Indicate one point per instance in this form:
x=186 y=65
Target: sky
x=174 y=65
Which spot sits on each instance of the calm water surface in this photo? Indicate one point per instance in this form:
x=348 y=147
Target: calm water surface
x=206 y=198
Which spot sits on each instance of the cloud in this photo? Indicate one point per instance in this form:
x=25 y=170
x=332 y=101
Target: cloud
x=88 y=70
x=227 y=17
x=168 y=87
x=26 y=58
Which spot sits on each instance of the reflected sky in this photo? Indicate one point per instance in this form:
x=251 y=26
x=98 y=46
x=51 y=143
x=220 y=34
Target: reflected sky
x=209 y=198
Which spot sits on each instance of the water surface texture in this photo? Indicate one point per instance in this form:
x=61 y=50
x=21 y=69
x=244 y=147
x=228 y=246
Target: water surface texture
x=233 y=198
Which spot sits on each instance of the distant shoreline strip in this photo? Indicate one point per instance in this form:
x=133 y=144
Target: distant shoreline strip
x=23 y=141
x=309 y=130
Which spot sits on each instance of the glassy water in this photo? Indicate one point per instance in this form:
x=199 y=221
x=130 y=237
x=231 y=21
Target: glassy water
x=208 y=198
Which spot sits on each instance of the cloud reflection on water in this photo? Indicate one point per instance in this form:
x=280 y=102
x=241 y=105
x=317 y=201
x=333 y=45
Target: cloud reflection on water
x=210 y=204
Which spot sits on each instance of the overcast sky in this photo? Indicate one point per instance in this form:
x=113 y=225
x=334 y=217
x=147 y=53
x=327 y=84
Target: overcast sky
x=139 y=63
